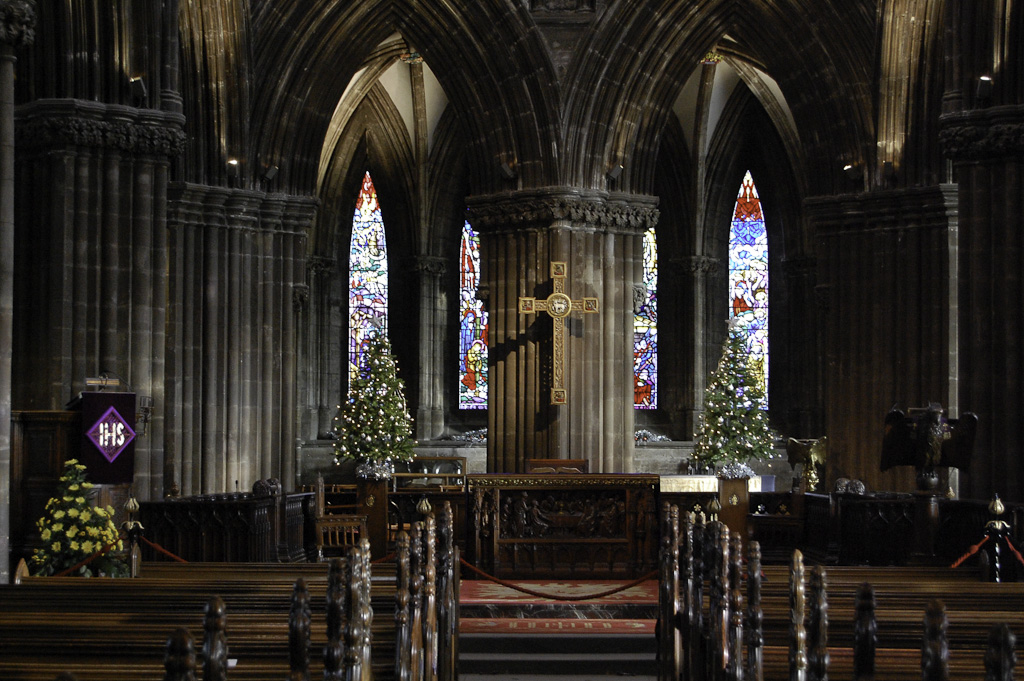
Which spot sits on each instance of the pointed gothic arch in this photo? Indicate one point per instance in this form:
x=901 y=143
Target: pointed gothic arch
x=749 y=278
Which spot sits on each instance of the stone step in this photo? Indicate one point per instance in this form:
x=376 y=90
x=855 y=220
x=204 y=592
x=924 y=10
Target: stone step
x=589 y=655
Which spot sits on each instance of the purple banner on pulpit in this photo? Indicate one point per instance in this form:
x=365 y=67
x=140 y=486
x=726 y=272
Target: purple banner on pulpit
x=108 y=437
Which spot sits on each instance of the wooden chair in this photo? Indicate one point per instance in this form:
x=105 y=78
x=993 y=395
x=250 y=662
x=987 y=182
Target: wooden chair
x=334 y=531
x=564 y=466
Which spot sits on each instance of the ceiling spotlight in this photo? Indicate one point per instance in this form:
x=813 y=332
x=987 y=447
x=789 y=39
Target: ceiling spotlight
x=983 y=93
x=270 y=173
x=508 y=171
x=615 y=171
x=138 y=88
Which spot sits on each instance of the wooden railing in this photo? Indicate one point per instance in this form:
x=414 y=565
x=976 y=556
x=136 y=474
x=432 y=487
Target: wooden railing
x=243 y=527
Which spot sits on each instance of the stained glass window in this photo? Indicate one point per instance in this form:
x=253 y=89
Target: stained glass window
x=748 y=276
x=368 y=274
x=645 y=332
x=472 y=326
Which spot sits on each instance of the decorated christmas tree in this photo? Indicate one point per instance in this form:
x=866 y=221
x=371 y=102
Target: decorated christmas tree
x=734 y=425
x=373 y=426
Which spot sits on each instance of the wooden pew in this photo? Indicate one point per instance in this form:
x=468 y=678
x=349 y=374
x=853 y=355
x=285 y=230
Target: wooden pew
x=699 y=606
x=50 y=625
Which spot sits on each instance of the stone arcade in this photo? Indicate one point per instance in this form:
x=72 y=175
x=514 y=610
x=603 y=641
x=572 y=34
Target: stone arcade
x=177 y=180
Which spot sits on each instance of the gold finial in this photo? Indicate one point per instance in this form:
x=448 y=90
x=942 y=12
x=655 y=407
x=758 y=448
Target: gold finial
x=996 y=506
x=424 y=506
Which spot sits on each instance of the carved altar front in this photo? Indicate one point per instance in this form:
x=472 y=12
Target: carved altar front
x=535 y=526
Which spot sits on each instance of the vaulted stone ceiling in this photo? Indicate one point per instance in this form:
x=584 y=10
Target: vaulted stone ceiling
x=563 y=90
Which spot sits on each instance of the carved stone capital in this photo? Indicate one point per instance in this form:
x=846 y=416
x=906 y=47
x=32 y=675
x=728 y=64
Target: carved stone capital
x=538 y=209
x=77 y=123
x=697 y=264
x=639 y=297
x=300 y=296
x=483 y=294
x=996 y=132
x=17 y=22
x=430 y=265
x=318 y=266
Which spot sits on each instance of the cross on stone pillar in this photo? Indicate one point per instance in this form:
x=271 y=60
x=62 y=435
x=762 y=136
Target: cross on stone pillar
x=558 y=305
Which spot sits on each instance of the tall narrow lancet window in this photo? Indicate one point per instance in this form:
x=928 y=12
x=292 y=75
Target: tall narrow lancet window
x=368 y=275
x=748 y=277
x=472 y=326
x=645 y=331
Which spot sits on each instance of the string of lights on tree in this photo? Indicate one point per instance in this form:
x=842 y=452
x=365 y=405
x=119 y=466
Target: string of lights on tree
x=734 y=426
x=373 y=426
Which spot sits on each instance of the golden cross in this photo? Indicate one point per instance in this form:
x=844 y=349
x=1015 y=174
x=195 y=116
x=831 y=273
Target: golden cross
x=558 y=305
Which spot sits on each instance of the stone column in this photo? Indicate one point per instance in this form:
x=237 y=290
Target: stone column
x=237 y=271
x=320 y=365
x=430 y=272
x=883 y=258
x=684 y=287
x=801 y=356
x=600 y=239
x=17 y=29
x=987 y=146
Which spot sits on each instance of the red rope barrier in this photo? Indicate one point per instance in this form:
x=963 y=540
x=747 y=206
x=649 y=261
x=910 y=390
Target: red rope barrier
x=163 y=550
x=74 y=568
x=1015 y=551
x=973 y=550
x=541 y=594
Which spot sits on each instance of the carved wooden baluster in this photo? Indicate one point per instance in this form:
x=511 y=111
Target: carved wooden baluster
x=365 y=613
x=734 y=649
x=352 y=666
x=797 y=633
x=180 y=657
x=686 y=595
x=416 y=601
x=430 y=602
x=299 y=623
x=935 y=648
x=668 y=595
x=1000 y=657
x=334 y=650
x=696 y=635
x=447 y=605
x=754 y=624
x=479 y=522
x=817 y=625
x=403 y=660
x=865 y=635
x=215 y=641
x=718 y=599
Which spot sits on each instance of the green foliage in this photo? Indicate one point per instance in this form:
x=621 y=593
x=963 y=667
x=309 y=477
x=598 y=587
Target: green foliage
x=734 y=425
x=73 y=530
x=374 y=423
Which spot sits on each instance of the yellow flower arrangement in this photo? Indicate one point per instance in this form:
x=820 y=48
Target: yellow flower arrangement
x=78 y=534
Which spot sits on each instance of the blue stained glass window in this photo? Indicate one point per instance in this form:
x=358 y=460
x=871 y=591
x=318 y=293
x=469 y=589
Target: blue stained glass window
x=472 y=326
x=645 y=332
x=748 y=277
x=368 y=275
